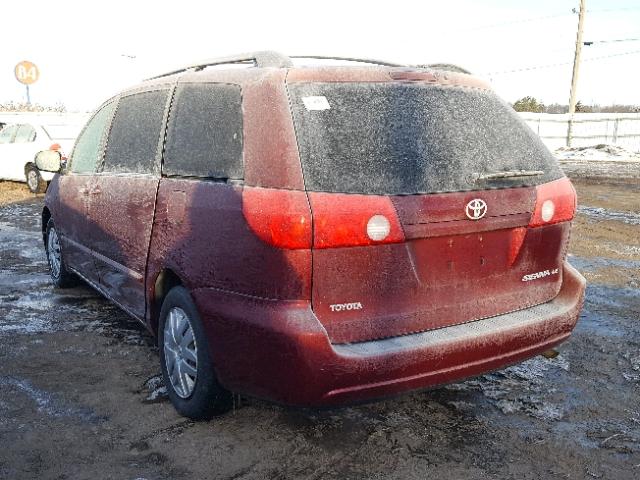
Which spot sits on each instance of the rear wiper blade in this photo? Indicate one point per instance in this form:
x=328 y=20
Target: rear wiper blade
x=511 y=174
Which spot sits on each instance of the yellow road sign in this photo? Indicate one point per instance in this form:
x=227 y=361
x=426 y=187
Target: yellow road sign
x=27 y=72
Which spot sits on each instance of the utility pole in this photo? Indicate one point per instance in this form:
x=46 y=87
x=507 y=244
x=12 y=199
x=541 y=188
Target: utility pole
x=576 y=67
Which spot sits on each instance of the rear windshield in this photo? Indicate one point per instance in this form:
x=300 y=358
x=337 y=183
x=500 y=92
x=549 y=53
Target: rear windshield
x=398 y=138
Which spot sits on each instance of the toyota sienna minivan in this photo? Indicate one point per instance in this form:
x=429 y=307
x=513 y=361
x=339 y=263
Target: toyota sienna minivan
x=317 y=235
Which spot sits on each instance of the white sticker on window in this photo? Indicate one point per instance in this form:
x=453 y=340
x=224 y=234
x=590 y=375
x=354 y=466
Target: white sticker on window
x=316 y=103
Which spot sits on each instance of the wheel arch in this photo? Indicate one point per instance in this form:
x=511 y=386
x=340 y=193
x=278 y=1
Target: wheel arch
x=164 y=282
x=28 y=165
x=46 y=216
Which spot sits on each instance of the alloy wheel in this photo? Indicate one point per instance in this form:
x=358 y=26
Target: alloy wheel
x=32 y=180
x=180 y=352
x=53 y=252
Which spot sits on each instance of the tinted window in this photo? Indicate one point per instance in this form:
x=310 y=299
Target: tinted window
x=135 y=133
x=204 y=135
x=88 y=147
x=7 y=133
x=391 y=138
x=26 y=134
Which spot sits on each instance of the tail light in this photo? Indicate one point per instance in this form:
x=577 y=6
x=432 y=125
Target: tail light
x=341 y=220
x=56 y=147
x=555 y=202
x=278 y=217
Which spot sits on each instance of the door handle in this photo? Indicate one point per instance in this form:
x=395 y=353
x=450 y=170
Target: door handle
x=95 y=191
x=83 y=191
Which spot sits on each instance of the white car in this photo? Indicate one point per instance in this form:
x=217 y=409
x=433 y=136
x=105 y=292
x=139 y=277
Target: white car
x=19 y=145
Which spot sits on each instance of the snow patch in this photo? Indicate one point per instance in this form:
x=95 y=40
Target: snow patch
x=630 y=218
x=597 y=152
x=523 y=388
x=46 y=403
x=157 y=390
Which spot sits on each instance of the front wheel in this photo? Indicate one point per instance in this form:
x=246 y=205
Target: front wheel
x=34 y=180
x=186 y=363
x=62 y=278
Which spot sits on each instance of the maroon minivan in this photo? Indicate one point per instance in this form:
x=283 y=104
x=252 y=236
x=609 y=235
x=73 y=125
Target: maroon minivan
x=317 y=235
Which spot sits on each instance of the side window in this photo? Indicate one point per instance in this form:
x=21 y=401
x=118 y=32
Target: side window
x=7 y=133
x=135 y=133
x=26 y=134
x=204 y=133
x=88 y=146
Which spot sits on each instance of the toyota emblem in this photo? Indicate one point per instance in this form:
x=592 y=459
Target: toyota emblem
x=476 y=209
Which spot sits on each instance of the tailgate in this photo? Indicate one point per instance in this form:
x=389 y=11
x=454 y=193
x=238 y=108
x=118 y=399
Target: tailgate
x=449 y=270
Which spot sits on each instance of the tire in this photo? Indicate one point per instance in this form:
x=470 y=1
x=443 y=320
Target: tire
x=60 y=275
x=34 y=180
x=185 y=360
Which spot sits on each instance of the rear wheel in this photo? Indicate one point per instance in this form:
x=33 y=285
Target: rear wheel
x=34 y=180
x=186 y=364
x=62 y=278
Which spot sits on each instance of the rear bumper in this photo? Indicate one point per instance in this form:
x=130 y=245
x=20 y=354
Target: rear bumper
x=279 y=350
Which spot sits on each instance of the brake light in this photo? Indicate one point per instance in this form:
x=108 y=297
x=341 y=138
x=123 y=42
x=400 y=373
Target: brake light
x=555 y=202
x=342 y=220
x=280 y=218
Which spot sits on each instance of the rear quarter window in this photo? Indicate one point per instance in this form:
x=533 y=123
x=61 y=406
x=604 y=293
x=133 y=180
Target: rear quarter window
x=204 y=132
x=135 y=133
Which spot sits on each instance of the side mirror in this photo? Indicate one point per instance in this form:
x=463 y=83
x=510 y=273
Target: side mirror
x=49 y=161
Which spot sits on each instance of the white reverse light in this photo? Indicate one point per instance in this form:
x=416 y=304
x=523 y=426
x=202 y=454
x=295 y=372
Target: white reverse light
x=548 y=209
x=378 y=227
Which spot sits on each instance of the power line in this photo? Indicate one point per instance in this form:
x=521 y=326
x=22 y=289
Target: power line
x=545 y=17
x=611 y=41
x=607 y=10
x=552 y=65
x=548 y=17
x=518 y=21
x=632 y=52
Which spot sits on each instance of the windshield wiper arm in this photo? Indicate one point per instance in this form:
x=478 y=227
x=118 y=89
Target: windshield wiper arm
x=511 y=174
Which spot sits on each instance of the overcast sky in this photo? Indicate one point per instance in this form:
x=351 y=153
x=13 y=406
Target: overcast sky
x=87 y=51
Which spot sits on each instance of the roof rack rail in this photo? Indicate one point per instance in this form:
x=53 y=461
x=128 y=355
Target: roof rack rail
x=265 y=58
x=350 y=59
x=446 y=66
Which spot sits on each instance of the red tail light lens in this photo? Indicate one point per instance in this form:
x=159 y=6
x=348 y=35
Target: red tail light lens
x=341 y=220
x=278 y=217
x=555 y=202
x=56 y=147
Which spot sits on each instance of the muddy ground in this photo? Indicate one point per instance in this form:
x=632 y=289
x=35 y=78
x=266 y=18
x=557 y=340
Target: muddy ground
x=80 y=396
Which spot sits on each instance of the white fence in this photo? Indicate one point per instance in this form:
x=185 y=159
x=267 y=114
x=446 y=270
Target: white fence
x=45 y=118
x=622 y=129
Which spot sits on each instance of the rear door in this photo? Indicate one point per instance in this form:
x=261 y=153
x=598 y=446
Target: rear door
x=123 y=196
x=72 y=213
x=421 y=196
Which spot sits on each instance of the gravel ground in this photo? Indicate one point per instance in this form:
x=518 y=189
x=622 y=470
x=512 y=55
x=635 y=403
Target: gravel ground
x=80 y=394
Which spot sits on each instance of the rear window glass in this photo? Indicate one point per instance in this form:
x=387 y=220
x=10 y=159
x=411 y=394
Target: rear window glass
x=135 y=133
x=394 y=139
x=204 y=134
